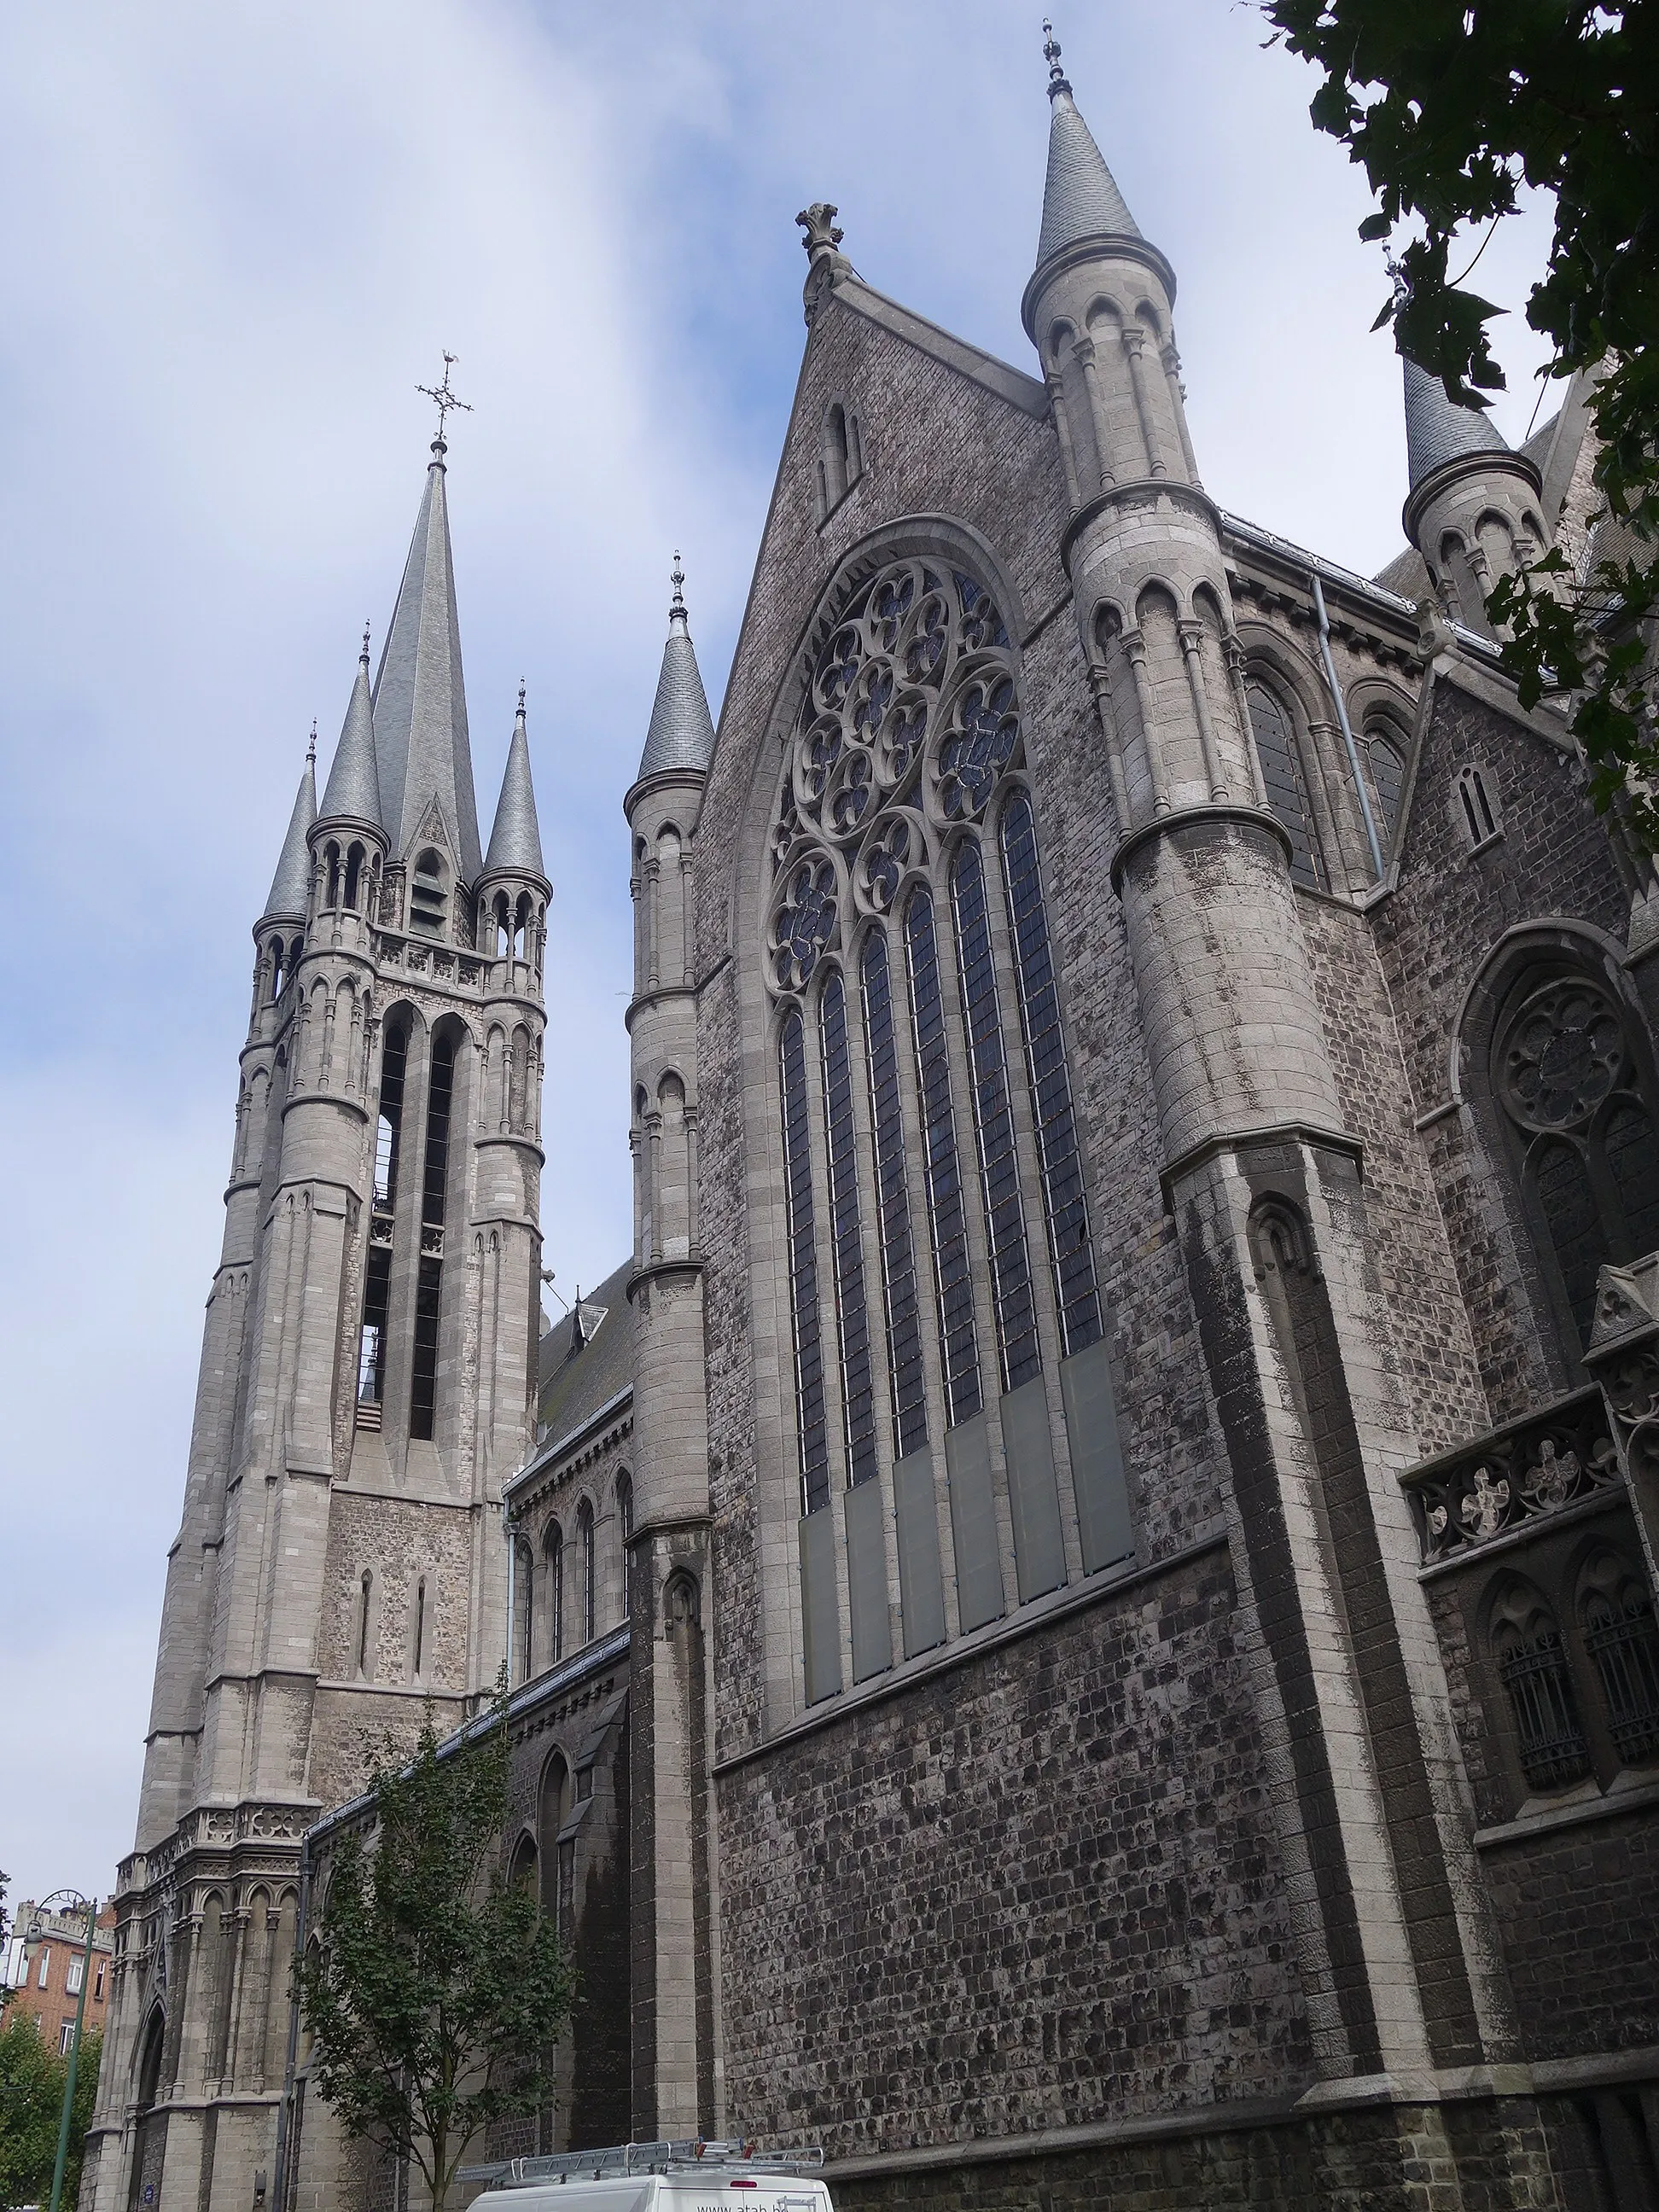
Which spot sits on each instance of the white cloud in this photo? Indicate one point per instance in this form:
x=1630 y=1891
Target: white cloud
x=239 y=238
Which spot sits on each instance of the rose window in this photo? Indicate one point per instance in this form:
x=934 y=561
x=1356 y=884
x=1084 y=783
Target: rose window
x=1563 y=1055
x=912 y=704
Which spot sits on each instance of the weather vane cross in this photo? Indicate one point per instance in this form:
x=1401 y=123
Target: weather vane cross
x=443 y=397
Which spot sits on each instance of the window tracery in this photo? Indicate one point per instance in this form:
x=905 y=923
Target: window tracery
x=901 y=860
x=1271 y=727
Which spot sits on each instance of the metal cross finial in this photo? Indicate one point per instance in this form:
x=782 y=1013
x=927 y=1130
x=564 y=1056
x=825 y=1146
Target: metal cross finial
x=1051 y=53
x=311 y=749
x=1402 y=290
x=677 y=578
x=521 y=698
x=363 y=655
x=444 y=397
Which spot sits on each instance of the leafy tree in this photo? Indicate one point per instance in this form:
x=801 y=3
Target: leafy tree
x=1451 y=106
x=437 y=1991
x=32 y=2076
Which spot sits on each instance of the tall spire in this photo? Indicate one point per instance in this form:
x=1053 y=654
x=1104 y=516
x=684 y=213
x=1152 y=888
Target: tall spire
x=515 y=842
x=1080 y=198
x=682 y=733
x=291 y=884
x=420 y=701
x=353 y=788
x=1438 y=429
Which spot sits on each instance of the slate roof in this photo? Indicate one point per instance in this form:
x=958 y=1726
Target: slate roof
x=682 y=732
x=1080 y=198
x=420 y=699
x=1437 y=430
x=353 y=786
x=576 y=1379
x=515 y=842
x=291 y=884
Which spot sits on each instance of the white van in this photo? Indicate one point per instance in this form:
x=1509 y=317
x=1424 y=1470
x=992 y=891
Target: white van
x=656 y=2177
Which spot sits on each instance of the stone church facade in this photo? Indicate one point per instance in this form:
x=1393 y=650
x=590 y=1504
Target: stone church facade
x=1081 y=1605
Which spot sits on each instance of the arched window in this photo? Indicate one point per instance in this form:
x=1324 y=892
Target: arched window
x=429 y=1281
x=365 y=1624
x=523 y=1872
x=625 y=1535
x=1274 y=731
x=418 y=1632
x=1478 y=815
x=521 y=923
x=1384 y=750
x=1568 y=1073
x=1616 y=1611
x=524 y=1607
x=278 y=968
x=149 y=2065
x=841 y=459
x=377 y=1272
x=428 y=894
x=501 y=912
x=556 y=1859
x=332 y=863
x=1532 y=1665
x=353 y=873
x=893 y=867
x=553 y=1551
x=587 y=1566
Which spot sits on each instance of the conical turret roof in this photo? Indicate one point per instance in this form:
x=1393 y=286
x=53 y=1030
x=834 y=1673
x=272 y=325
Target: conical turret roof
x=420 y=701
x=682 y=732
x=515 y=842
x=1080 y=198
x=291 y=886
x=353 y=785
x=1438 y=429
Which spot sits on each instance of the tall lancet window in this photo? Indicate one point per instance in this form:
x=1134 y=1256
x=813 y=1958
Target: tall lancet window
x=377 y=1274
x=429 y=1281
x=920 y=1034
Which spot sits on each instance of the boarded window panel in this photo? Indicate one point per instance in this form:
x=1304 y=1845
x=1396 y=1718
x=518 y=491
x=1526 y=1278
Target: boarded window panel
x=1281 y=771
x=1033 y=1497
x=1569 y=1208
x=820 y=1617
x=974 y=1524
x=1097 y=1477
x=921 y=1584
x=867 y=1582
x=1633 y=1163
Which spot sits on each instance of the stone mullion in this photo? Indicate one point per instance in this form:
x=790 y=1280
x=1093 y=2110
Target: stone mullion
x=1134 y=646
x=1100 y=683
x=1134 y=342
x=1063 y=432
x=1171 y=360
x=1191 y=634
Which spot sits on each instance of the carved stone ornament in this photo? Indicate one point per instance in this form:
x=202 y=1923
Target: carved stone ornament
x=1561 y=1456
x=910 y=720
x=1562 y=1054
x=818 y=221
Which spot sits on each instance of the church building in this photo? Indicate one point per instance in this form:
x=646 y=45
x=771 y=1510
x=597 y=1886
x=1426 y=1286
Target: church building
x=1080 y=1606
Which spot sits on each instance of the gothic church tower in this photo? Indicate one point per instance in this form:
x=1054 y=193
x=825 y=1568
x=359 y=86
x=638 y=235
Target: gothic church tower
x=367 y=1386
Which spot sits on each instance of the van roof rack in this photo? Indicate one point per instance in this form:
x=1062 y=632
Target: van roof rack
x=738 y=2156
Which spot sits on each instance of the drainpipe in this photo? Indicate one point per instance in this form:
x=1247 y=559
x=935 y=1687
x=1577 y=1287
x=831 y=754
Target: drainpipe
x=511 y=1591
x=279 y=2194
x=1346 y=725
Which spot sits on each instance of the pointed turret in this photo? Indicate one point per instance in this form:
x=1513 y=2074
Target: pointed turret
x=420 y=702
x=1080 y=198
x=1438 y=430
x=682 y=732
x=353 y=792
x=515 y=842
x=291 y=884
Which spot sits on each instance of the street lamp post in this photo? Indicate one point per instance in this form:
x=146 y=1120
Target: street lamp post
x=70 y=1900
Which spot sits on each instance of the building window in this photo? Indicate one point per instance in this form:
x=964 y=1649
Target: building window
x=417 y=1633
x=428 y=894
x=953 y=1276
x=74 y=1975
x=1274 y=732
x=98 y=1984
x=898 y=1265
x=428 y=1283
x=553 y=1546
x=1532 y=1665
x=65 y=2037
x=1566 y=1070
x=1385 y=756
x=625 y=1533
x=846 y=1242
x=812 y=1438
x=45 y=1964
x=585 y=1553
x=377 y=1269
x=1620 y=1638
x=1475 y=805
x=365 y=1609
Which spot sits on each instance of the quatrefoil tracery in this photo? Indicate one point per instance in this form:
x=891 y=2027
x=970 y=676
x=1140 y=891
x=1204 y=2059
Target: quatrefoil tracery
x=910 y=718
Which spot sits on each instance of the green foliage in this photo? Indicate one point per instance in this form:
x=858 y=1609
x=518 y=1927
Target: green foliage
x=32 y=2078
x=438 y=1990
x=1450 y=108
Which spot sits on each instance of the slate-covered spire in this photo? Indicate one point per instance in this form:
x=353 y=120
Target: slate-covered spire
x=420 y=702
x=515 y=842
x=682 y=733
x=1437 y=430
x=353 y=790
x=291 y=884
x=1080 y=198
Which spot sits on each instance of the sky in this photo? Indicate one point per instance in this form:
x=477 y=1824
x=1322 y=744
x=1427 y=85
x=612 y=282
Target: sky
x=235 y=239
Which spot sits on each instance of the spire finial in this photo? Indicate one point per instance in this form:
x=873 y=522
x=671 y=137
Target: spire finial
x=1398 y=278
x=818 y=221
x=363 y=655
x=311 y=749
x=444 y=399
x=1057 y=79
x=521 y=698
x=677 y=578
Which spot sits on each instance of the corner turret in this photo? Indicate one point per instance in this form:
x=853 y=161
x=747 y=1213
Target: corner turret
x=1474 y=508
x=514 y=890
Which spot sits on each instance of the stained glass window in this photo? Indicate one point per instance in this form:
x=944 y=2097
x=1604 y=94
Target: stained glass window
x=1070 y=1248
x=898 y=1262
x=803 y=1269
x=851 y=1309
x=958 y=1345
x=993 y=1125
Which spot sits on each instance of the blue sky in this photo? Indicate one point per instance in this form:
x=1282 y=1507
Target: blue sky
x=236 y=241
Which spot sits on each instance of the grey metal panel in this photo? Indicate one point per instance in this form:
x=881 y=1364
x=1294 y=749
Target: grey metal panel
x=866 y=1582
x=1097 y=1477
x=921 y=1585
x=819 y=1618
x=974 y=1524
x=1033 y=1495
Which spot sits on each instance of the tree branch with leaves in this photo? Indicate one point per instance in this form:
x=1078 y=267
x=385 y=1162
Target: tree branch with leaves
x=437 y=1991
x=1451 y=108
